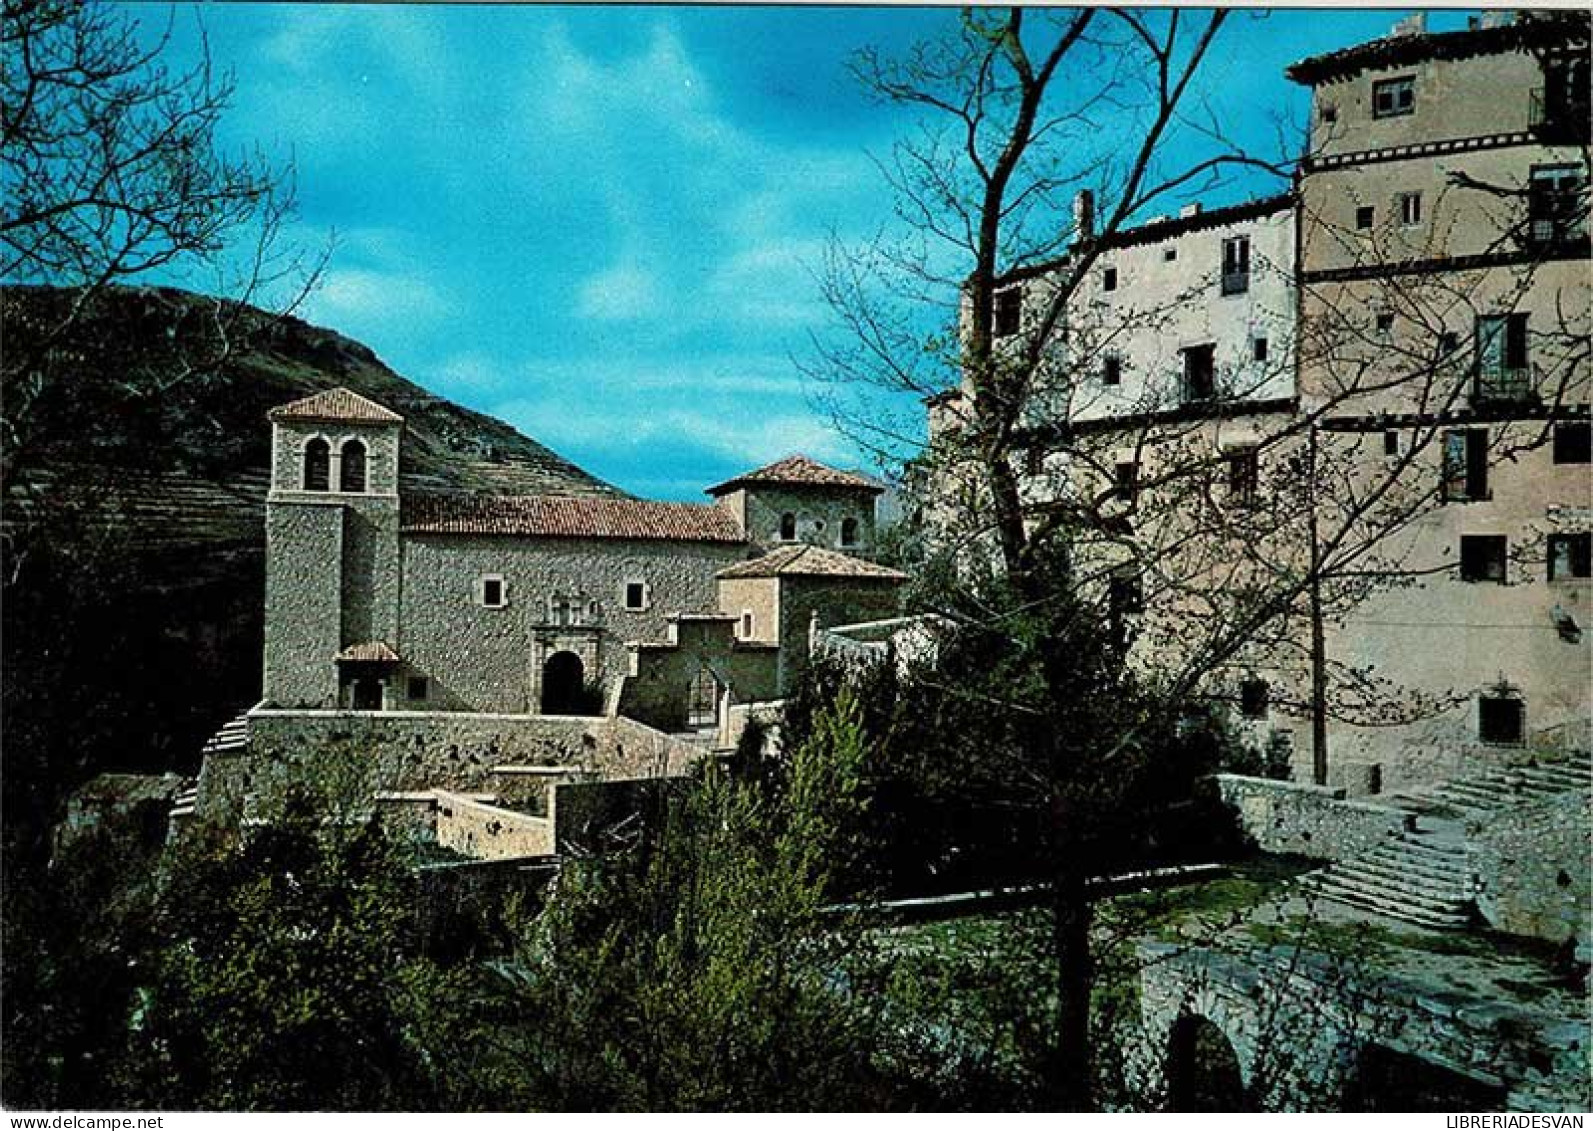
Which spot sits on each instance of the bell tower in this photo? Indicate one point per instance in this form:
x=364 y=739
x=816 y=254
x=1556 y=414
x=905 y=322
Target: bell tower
x=332 y=515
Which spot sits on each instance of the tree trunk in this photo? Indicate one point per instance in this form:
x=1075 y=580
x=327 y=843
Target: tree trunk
x=1072 y=1069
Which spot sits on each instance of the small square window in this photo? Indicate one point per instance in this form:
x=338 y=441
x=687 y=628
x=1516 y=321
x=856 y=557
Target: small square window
x=1482 y=557
x=492 y=592
x=1009 y=311
x=1573 y=442
x=1394 y=97
x=1501 y=720
x=1169 y=254
x=1112 y=371
x=1385 y=321
x=418 y=687
x=1391 y=443
x=1365 y=215
x=1410 y=208
x=1258 y=349
x=1109 y=279
x=1570 y=555
x=1253 y=696
x=1329 y=112
x=636 y=595
x=1448 y=343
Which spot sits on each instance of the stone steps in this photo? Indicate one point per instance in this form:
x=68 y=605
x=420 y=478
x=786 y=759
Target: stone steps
x=1500 y=787
x=1424 y=878
x=1409 y=878
x=1396 y=908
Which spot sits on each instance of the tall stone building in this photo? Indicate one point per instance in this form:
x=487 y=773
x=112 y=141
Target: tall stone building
x=1444 y=323
x=1379 y=379
x=382 y=599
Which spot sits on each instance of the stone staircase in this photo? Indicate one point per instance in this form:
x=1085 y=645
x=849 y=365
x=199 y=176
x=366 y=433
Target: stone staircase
x=232 y=738
x=1422 y=876
x=1417 y=877
x=1500 y=787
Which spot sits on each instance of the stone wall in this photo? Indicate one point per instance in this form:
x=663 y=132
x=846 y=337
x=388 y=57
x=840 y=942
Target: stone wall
x=477 y=658
x=1531 y=867
x=1307 y=820
x=819 y=512
x=303 y=602
x=488 y=832
x=659 y=690
x=1335 y=1009
x=835 y=600
x=360 y=754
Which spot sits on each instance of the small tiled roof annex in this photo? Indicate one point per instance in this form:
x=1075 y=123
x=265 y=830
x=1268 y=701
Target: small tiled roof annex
x=798 y=471
x=336 y=404
x=374 y=651
x=810 y=561
x=554 y=516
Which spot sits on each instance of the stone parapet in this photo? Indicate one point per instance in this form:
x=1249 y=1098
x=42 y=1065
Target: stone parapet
x=1307 y=820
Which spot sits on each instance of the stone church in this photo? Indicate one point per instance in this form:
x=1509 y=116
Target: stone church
x=386 y=600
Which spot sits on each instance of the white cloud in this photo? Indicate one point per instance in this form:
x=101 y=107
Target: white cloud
x=625 y=293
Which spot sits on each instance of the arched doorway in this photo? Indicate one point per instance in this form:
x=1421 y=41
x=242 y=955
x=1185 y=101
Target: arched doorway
x=563 y=683
x=1202 y=1069
x=702 y=706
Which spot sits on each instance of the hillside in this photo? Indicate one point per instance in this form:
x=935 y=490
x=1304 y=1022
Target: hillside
x=136 y=454
x=191 y=459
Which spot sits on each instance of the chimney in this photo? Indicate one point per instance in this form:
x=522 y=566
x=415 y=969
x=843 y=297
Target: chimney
x=1413 y=24
x=1084 y=215
x=1188 y=210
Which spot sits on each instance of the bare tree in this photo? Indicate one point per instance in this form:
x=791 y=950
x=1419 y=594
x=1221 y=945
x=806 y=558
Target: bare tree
x=1199 y=567
x=113 y=175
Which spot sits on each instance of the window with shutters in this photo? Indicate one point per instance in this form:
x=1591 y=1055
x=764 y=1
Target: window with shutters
x=1394 y=97
x=1503 y=372
x=1410 y=209
x=1465 y=465
x=1244 y=475
x=1556 y=204
x=1236 y=265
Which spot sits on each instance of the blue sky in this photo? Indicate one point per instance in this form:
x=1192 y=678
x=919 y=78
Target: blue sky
x=602 y=224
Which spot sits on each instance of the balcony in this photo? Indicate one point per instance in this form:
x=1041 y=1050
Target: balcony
x=1505 y=385
x=1235 y=282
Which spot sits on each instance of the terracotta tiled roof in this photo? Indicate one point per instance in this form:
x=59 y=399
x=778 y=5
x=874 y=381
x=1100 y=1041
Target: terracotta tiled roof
x=1406 y=50
x=800 y=471
x=810 y=561
x=548 y=516
x=374 y=651
x=336 y=404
